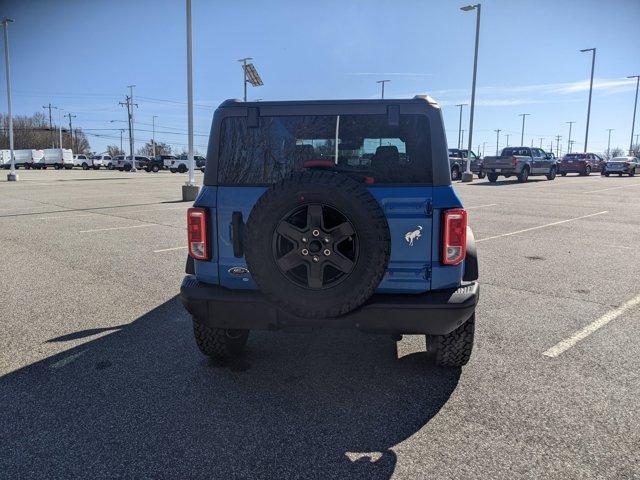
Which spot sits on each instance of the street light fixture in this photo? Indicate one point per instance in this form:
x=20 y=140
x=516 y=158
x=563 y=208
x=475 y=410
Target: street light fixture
x=12 y=176
x=593 y=63
x=467 y=176
x=635 y=106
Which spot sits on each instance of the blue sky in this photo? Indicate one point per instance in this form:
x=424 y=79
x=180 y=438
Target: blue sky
x=81 y=55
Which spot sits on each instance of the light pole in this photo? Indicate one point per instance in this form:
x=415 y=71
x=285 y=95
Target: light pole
x=12 y=176
x=593 y=64
x=382 y=82
x=523 y=115
x=243 y=60
x=609 y=143
x=190 y=190
x=467 y=176
x=635 y=106
x=462 y=137
x=497 y=141
x=121 y=132
x=460 y=124
x=70 y=128
x=508 y=135
x=153 y=135
x=569 y=141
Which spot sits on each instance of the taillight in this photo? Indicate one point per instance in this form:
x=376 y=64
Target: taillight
x=454 y=236
x=197 y=233
x=514 y=161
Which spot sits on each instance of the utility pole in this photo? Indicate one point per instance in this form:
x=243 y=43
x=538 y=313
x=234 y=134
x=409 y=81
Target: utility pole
x=569 y=140
x=460 y=125
x=558 y=137
x=541 y=142
x=50 y=123
x=12 y=176
x=508 y=139
x=462 y=137
x=635 y=106
x=609 y=143
x=153 y=138
x=121 y=132
x=497 y=140
x=483 y=145
x=382 y=82
x=532 y=143
x=593 y=64
x=70 y=128
x=523 y=115
x=128 y=103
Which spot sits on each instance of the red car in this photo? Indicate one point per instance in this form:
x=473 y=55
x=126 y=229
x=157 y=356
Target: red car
x=580 y=163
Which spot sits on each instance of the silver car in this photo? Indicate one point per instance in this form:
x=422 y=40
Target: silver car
x=622 y=165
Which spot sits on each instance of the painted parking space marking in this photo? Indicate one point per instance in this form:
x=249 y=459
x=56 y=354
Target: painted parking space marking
x=614 y=188
x=170 y=249
x=541 y=226
x=481 y=206
x=118 y=228
x=561 y=347
x=67 y=360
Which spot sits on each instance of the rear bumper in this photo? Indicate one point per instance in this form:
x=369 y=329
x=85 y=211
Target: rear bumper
x=510 y=170
x=434 y=313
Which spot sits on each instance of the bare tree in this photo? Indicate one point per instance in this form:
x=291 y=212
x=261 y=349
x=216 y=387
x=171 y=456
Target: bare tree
x=161 y=149
x=33 y=132
x=617 y=152
x=114 y=150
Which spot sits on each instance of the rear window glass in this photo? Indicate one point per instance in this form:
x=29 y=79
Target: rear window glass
x=573 y=156
x=366 y=146
x=509 y=152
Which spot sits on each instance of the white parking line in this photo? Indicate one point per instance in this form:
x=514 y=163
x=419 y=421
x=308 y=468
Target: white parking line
x=541 y=226
x=169 y=249
x=613 y=188
x=567 y=343
x=117 y=228
x=481 y=206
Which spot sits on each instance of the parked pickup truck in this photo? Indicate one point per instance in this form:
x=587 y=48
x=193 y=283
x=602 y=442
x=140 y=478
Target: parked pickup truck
x=520 y=162
x=458 y=163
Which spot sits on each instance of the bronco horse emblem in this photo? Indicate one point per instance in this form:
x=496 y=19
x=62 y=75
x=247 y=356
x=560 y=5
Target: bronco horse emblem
x=410 y=237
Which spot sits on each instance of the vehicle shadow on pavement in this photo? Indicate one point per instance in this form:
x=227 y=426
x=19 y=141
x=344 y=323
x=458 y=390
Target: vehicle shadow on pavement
x=143 y=402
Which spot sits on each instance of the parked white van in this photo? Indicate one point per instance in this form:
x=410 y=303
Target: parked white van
x=58 y=158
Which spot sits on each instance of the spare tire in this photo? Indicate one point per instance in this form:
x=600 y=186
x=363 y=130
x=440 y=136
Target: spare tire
x=317 y=244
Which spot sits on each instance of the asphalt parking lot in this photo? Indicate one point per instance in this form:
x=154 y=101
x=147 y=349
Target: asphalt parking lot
x=100 y=376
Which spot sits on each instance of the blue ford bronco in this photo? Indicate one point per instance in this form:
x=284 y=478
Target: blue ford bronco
x=333 y=213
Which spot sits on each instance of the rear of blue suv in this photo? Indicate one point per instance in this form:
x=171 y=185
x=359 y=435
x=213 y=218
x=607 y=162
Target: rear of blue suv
x=330 y=214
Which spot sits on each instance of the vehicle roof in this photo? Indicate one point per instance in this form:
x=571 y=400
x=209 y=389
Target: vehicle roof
x=418 y=99
x=623 y=158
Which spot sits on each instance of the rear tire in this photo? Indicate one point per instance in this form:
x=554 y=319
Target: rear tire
x=493 y=177
x=632 y=172
x=523 y=176
x=219 y=342
x=182 y=169
x=453 y=349
x=552 y=174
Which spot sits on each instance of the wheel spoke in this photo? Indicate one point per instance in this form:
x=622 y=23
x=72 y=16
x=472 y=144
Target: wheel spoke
x=315 y=275
x=341 y=232
x=314 y=217
x=341 y=262
x=289 y=261
x=289 y=231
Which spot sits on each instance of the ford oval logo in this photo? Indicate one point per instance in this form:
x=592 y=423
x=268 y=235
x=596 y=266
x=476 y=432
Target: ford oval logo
x=238 y=271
